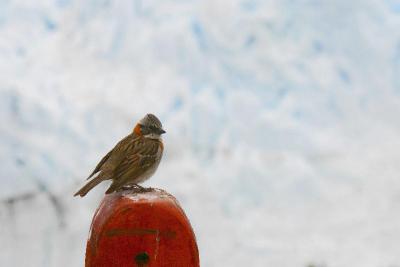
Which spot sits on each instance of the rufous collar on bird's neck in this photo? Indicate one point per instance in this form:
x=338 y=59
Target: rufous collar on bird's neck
x=137 y=130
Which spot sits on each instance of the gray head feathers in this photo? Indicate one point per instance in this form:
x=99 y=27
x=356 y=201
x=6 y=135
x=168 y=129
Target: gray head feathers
x=151 y=124
x=150 y=120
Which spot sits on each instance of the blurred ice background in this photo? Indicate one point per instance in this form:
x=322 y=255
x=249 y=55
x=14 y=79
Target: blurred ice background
x=282 y=119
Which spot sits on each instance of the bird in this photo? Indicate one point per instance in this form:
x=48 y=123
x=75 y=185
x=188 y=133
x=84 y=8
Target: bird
x=133 y=160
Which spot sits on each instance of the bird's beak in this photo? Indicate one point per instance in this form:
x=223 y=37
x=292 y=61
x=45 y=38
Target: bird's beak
x=162 y=131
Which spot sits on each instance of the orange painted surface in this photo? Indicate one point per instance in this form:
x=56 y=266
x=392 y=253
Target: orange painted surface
x=141 y=229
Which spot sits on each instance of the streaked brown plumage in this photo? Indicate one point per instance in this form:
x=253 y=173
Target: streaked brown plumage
x=133 y=160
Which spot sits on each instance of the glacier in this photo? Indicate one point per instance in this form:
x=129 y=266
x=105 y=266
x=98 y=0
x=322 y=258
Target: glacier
x=282 y=122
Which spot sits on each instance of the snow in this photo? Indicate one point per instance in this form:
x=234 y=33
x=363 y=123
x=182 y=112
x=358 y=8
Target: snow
x=282 y=124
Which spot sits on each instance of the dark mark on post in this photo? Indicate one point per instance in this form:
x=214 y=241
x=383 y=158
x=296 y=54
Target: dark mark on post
x=139 y=232
x=141 y=259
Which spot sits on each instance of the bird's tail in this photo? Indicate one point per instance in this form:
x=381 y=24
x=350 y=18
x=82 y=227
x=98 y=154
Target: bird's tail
x=87 y=187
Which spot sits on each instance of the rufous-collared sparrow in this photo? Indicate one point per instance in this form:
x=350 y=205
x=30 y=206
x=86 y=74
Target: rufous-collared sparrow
x=133 y=160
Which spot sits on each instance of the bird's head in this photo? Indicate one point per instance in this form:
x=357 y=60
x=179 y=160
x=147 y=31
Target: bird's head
x=150 y=127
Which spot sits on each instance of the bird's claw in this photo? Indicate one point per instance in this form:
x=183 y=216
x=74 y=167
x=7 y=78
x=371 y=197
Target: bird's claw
x=135 y=188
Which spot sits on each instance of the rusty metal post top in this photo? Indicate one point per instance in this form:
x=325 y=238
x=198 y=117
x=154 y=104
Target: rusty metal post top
x=141 y=228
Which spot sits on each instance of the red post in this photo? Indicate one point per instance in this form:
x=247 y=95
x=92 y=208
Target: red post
x=141 y=229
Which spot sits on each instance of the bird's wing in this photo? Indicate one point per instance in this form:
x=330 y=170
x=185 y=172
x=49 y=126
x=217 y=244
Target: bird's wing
x=139 y=157
x=119 y=146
